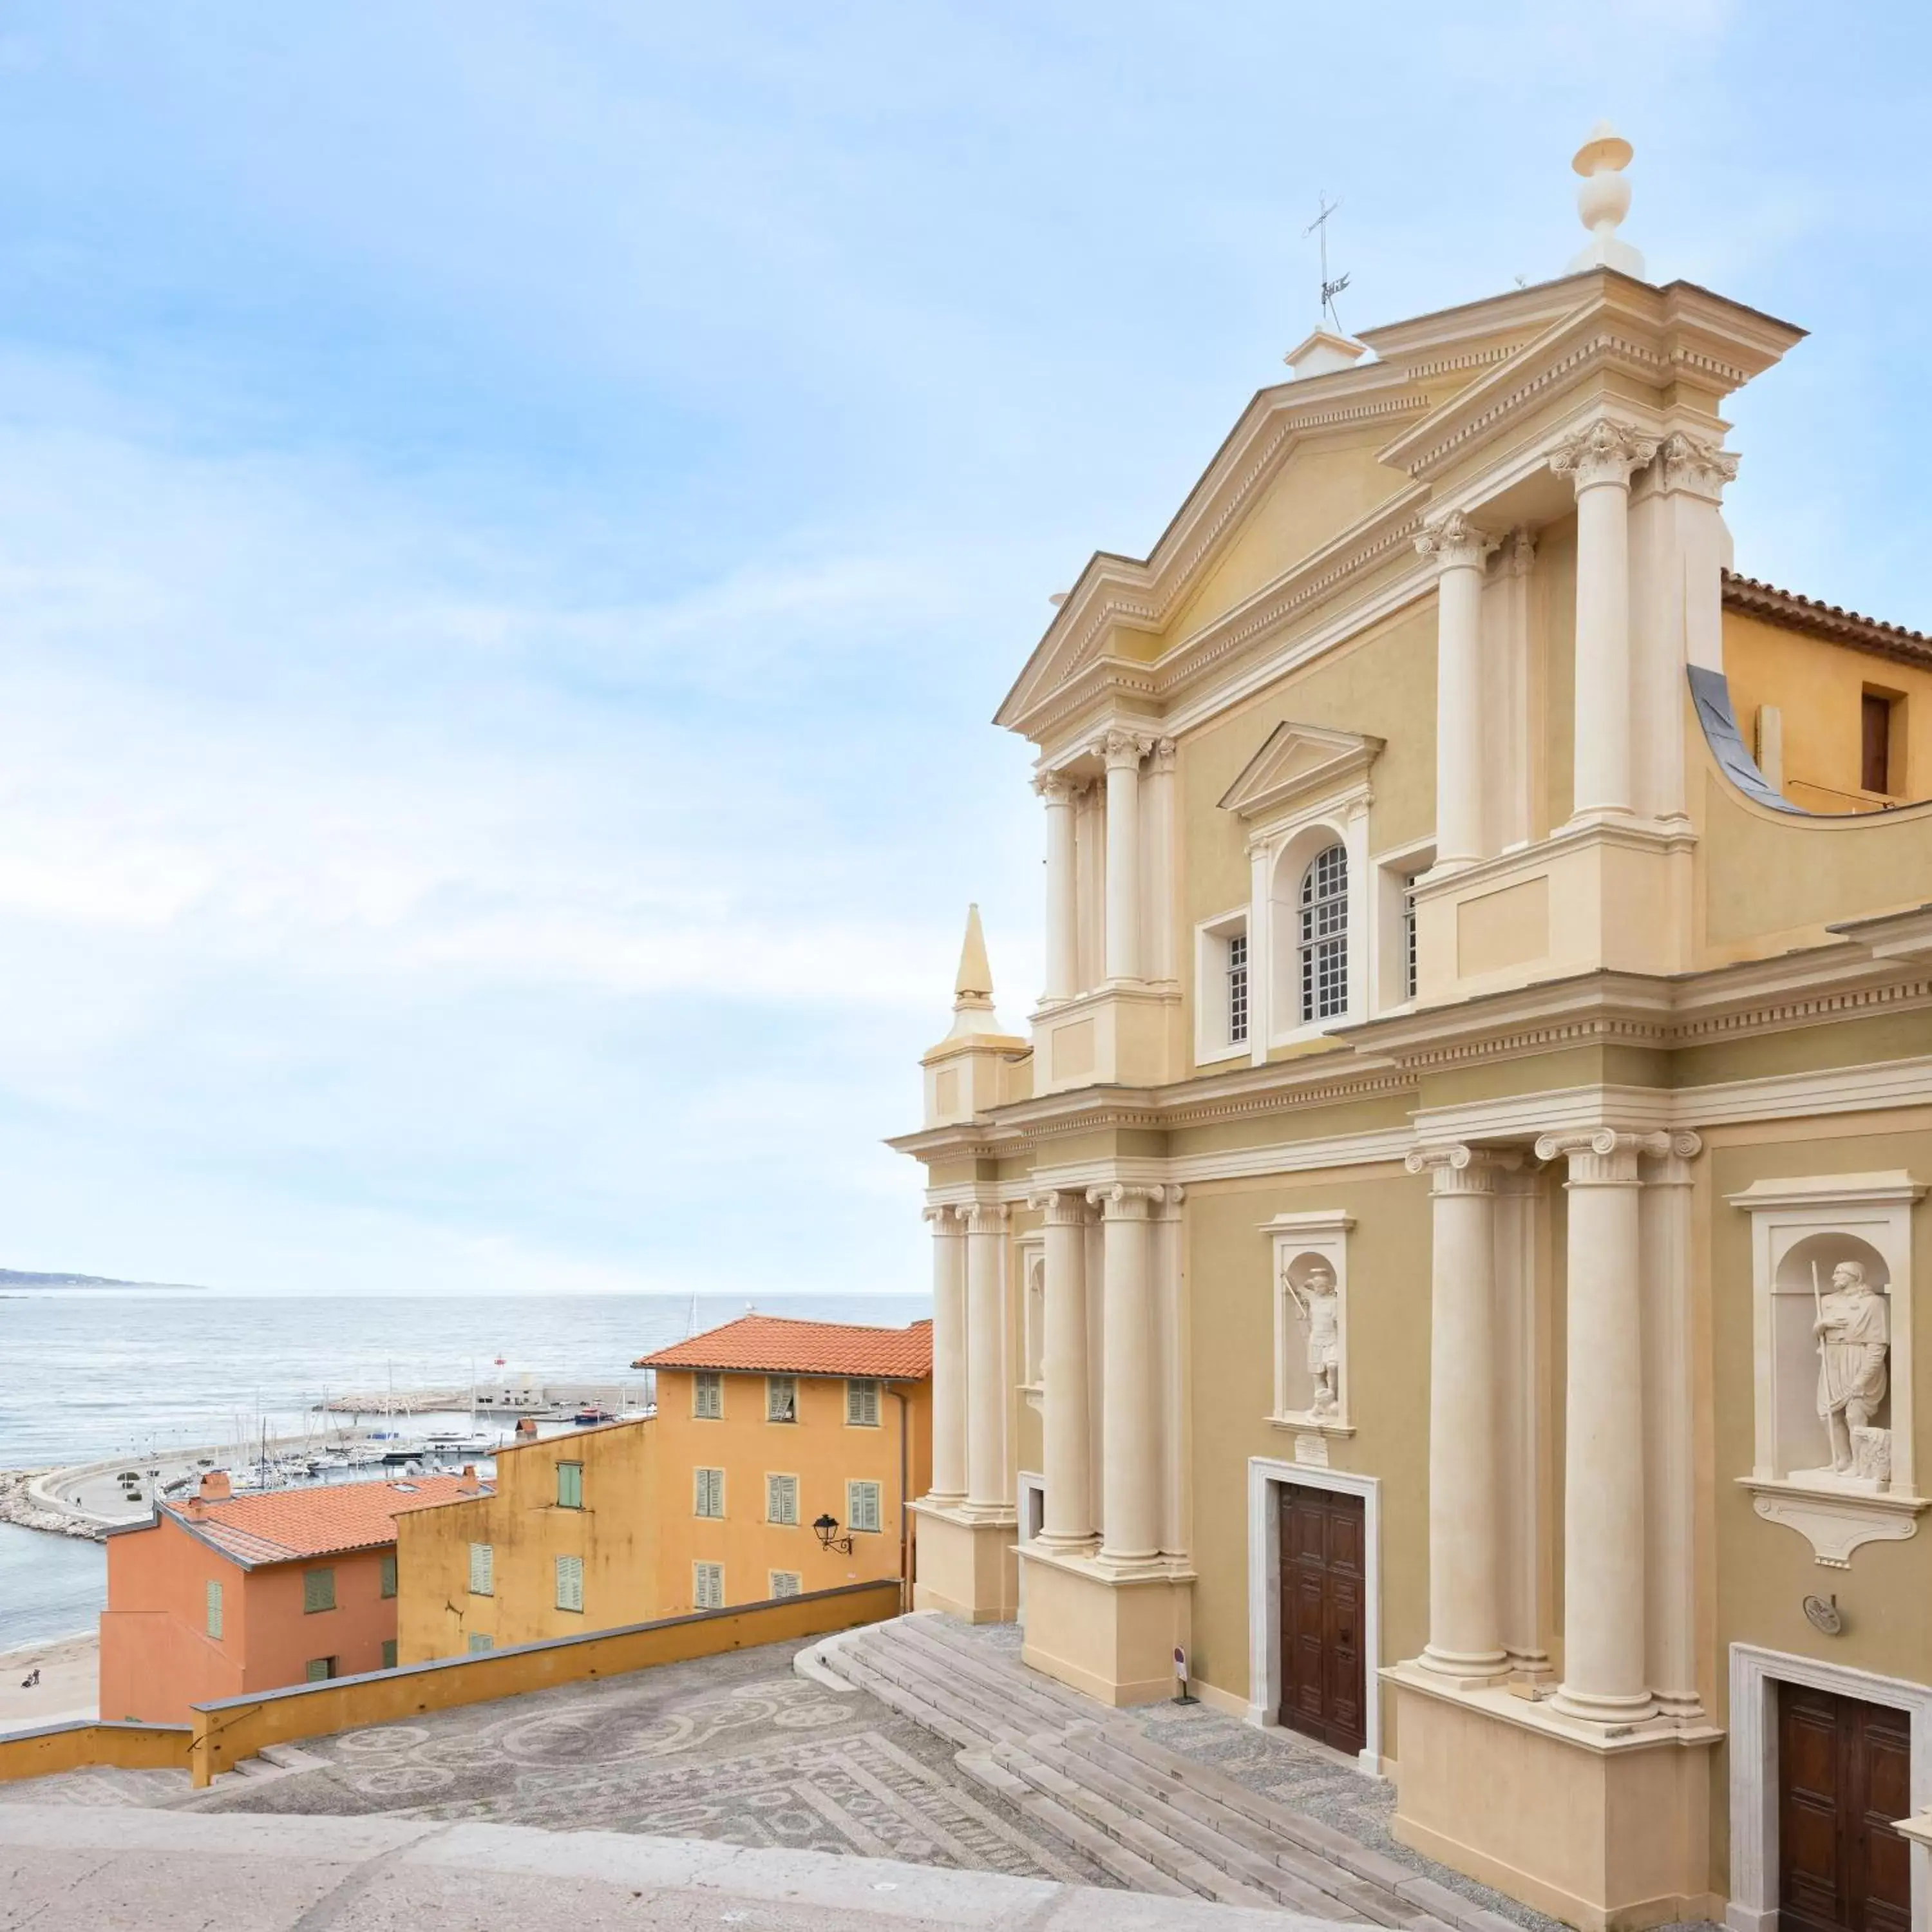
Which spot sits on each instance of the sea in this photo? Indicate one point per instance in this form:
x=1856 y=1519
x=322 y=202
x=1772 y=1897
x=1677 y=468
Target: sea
x=88 y=1373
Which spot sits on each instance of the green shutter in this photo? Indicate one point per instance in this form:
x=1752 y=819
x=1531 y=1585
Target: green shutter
x=318 y=1590
x=479 y=1642
x=570 y=1583
x=570 y=1485
x=482 y=1570
x=388 y=1653
x=319 y=1669
x=214 y=1609
x=389 y=1574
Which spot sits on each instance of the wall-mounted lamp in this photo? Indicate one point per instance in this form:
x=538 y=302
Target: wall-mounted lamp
x=829 y=1538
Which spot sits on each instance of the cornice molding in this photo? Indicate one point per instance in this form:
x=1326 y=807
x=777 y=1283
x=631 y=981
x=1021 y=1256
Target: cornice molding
x=1751 y=599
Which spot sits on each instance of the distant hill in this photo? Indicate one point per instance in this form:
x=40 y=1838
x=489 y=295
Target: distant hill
x=27 y=1278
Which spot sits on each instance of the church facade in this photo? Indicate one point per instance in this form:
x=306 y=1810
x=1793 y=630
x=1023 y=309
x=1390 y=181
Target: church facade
x=1441 y=1256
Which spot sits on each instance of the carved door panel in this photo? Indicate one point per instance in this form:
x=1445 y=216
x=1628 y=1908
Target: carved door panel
x=1844 y=1773
x=1323 y=1688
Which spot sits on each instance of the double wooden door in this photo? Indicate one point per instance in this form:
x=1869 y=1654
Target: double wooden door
x=1844 y=1773
x=1323 y=1686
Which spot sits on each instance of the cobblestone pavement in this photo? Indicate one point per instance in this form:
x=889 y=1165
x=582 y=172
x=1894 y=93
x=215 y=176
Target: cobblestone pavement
x=735 y=1749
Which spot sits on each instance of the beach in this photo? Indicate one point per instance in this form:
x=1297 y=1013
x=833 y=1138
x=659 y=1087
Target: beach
x=69 y=1668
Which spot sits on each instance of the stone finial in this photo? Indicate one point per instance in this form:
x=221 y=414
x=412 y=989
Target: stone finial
x=973 y=984
x=1602 y=200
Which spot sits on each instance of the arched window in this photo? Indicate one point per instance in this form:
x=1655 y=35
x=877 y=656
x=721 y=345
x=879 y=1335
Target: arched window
x=1324 y=935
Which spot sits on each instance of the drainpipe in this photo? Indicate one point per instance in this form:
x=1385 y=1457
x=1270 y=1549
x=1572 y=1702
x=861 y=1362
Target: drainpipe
x=905 y=1520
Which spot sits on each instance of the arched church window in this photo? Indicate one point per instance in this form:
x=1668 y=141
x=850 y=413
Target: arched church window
x=1324 y=935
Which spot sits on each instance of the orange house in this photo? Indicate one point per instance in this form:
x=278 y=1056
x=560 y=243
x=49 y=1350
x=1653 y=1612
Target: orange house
x=223 y=1594
x=786 y=1452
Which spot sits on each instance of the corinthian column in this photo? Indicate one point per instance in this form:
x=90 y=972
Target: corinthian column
x=1600 y=459
x=1124 y=750
x=1130 y=1530
x=949 y=1357
x=1066 y=1428
x=1465 y=1625
x=1063 y=930
x=1604 y=1676
x=1458 y=549
x=985 y=1358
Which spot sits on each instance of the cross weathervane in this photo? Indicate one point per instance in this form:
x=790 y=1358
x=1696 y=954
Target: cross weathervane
x=1329 y=290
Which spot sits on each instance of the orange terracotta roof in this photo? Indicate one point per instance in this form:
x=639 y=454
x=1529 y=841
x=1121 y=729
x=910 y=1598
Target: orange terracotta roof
x=285 y=1525
x=1831 y=621
x=776 y=1345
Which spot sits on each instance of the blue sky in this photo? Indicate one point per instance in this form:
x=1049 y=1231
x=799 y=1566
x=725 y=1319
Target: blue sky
x=513 y=520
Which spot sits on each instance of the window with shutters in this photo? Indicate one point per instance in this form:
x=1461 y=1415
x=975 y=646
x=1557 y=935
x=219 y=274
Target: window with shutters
x=707 y=1493
x=387 y=1585
x=785 y=1583
x=570 y=1583
x=781 y=1398
x=862 y=1506
x=570 y=1485
x=707 y=1395
x=862 y=1402
x=482 y=1570
x=213 y=1608
x=781 y=1499
x=318 y=1590
x=480 y=1641
x=319 y=1669
x=388 y=1653
x=707 y=1586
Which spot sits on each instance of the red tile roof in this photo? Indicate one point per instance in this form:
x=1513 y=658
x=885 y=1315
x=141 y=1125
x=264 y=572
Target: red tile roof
x=1831 y=621
x=285 y=1525
x=776 y=1345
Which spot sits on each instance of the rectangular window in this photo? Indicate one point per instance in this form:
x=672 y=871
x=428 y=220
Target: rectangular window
x=387 y=1585
x=707 y=1395
x=319 y=1669
x=1876 y=775
x=785 y=1583
x=861 y=1403
x=482 y=1570
x=781 y=1398
x=707 y=1586
x=480 y=1641
x=318 y=1590
x=1237 y=989
x=214 y=1609
x=388 y=1653
x=570 y=1485
x=781 y=1500
x=570 y=1583
x=1324 y=915
x=1408 y=954
x=707 y=1493
x=862 y=1506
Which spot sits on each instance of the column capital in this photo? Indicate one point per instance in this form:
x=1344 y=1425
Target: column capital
x=1673 y=1162
x=1124 y=750
x=1607 y=451
x=1604 y=1156
x=1695 y=465
x=1455 y=543
x=945 y=1220
x=986 y=1217
x=1055 y=788
x=1121 y=1202
x=1454 y=1168
x=1066 y=1207
x=1519 y=552
x=1162 y=755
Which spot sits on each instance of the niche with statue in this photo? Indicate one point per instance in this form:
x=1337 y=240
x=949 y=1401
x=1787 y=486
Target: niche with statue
x=1310 y=1264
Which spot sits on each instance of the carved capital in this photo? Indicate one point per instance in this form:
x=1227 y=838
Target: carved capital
x=1120 y=1202
x=1163 y=755
x=1603 y=1156
x=1519 y=552
x=945 y=1220
x=1453 y=1168
x=1124 y=750
x=986 y=1217
x=1672 y=1166
x=1605 y=451
x=1689 y=463
x=1055 y=788
x=1066 y=1207
x=1455 y=543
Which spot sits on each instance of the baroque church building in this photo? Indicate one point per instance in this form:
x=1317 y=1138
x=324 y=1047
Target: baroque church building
x=1442 y=1255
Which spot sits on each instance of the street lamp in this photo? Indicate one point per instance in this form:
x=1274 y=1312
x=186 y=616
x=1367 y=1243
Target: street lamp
x=829 y=1538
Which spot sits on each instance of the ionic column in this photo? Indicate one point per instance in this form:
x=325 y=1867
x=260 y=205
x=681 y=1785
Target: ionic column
x=1130 y=1530
x=1670 y=1552
x=949 y=1357
x=1601 y=459
x=1458 y=549
x=1604 y=1677
x=1063 y=905
x=1465 y=1623
x=1066 y=1427
x=985 y=1358
x=1124 y=750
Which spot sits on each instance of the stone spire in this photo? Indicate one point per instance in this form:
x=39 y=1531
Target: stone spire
x=973 y=986
x=1603 y=200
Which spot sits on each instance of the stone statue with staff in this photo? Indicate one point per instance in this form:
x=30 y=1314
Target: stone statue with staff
x=1319 y=1307
x=1854 y=1340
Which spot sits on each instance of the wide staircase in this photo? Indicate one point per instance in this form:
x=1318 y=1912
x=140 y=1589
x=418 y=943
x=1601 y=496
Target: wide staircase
x=1157 y=1821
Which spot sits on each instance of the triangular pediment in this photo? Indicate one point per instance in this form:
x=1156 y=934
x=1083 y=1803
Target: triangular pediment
x=1299 y=764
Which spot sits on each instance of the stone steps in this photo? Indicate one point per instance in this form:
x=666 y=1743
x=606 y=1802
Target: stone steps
x=1158 y=1821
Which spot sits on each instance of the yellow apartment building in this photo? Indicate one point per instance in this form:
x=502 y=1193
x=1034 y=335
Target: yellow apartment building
x=568 y=1543
x=786 y=1451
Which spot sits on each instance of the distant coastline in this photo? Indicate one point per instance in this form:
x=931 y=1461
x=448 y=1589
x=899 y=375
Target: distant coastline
x=28 y=1278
